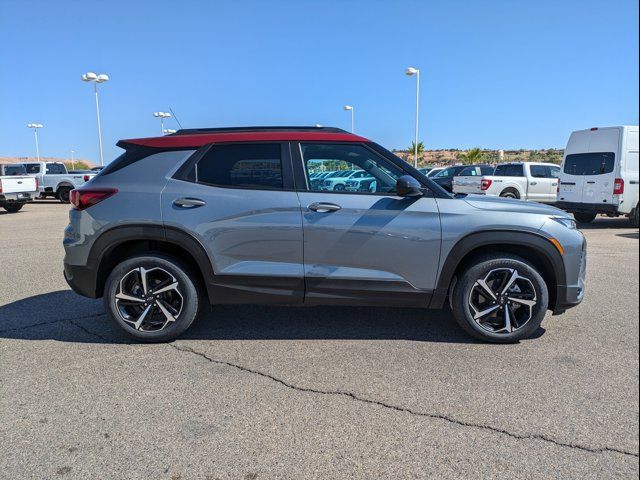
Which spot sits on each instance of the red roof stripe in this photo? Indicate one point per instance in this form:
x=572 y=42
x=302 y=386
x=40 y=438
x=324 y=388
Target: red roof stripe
x=198 y=140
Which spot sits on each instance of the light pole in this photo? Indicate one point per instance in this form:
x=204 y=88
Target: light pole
x=72 y=159
x=410 y=72
x=35 y=127
x=96 y=79
x=161 y=116
x=350 y=108
x=168 y=131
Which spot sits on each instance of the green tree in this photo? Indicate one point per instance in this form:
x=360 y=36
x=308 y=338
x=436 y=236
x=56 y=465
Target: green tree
x=412 y=148
x=473 y=155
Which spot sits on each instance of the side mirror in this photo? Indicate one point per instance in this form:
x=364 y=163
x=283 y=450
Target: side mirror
x=407 y=186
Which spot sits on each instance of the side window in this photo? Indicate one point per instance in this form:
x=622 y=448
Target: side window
x=56 y=169
x=539 y=171
x=509 y=170
x=370 y=172
x=488 y=170
x=243 y=166
x=33 y=168
x=468 y=172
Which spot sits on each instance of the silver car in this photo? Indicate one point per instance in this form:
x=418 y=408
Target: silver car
x=224 y=216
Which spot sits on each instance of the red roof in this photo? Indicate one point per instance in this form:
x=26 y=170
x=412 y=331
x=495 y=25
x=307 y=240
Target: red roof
x=197 y=140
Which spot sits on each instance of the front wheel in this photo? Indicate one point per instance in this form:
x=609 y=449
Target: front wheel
x=153 y=298
x=13 y=207
x=500 y=299
x=584 y=217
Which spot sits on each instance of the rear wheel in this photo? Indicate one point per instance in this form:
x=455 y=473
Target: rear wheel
x=634 y=218
x=153 y=298
x=13 y=207
x=585 y=217
x=500 y=299
x=63 y=194
x=510 y=194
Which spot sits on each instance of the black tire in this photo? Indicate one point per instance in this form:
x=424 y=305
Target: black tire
x=63 y=194
x=189 y=292
x=635 y=217
x=509 y=193
x=339 y=188
x=13 y=207
x=481 y=269
x=584 y=217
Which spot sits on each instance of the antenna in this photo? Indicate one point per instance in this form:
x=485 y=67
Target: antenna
x=174 y=116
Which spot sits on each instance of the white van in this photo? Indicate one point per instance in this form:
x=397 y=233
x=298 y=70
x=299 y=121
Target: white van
x=600 y=174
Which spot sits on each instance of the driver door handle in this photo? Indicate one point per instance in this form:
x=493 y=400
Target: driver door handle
x=189 y=202
x=322 y=207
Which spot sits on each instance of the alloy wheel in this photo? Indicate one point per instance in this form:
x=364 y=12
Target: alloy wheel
x=149 y=299
x=502 y=301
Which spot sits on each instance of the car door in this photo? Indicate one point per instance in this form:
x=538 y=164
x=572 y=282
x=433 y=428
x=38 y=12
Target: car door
x=370 y=246
x=540 y=182
x=238 y=201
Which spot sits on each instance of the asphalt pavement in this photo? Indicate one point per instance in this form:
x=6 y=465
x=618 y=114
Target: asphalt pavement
x=265 y=392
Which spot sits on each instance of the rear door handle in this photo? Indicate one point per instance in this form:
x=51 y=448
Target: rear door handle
x=534 y=183
x=189 y=202
x=322 y=207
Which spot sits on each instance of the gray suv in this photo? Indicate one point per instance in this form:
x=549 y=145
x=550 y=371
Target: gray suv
x=229 y=215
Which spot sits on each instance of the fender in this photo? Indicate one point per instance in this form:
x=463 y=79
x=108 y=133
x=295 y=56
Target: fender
x=534 y=241
x=113 y=237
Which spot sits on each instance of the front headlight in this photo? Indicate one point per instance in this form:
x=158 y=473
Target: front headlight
x=570 y=223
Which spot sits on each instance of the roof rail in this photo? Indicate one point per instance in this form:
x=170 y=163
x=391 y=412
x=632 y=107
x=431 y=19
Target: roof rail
x=196 y=131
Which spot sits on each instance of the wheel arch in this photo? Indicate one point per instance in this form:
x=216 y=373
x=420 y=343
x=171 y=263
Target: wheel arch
x=512 y=188
x=122 y=242
x=533 y=247
x=64 y=185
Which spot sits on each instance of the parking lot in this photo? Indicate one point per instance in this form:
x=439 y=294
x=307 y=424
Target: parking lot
x=266 y=392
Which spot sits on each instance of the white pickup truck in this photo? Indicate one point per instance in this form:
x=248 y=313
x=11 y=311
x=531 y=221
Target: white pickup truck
x=16 y=187
x=54 y=180
x=522 y=180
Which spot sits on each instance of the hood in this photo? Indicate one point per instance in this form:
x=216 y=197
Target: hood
x=499 y=204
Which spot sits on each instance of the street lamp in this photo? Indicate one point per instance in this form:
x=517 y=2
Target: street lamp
x=411 y=71
x=350 y=108
x=35 y=127
x=96 y=79
x=72 y=159
x=168 y=131
x=161 y=116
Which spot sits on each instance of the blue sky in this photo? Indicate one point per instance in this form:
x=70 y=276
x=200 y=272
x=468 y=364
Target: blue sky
x=495 y=74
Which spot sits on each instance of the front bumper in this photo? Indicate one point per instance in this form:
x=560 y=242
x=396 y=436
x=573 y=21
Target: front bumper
x=569 y=296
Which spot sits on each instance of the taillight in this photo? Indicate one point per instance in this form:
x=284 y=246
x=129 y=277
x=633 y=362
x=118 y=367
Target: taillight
x=86 y=178
x=618 y=186
x=0 y=186
x=37 y=184
x=83 y=198
x=485 y=183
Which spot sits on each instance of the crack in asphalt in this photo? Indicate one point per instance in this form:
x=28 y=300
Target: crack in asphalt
x=352 y=396
x=436 y=416
x=50 y=322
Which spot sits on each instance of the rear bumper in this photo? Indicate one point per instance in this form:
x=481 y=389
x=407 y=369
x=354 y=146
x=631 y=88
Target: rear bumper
x=587 y=207
x=81 y=280
x=15 y=197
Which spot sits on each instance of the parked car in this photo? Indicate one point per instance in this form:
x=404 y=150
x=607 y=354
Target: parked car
x=16 y=187
x=168 y=227
x=519 y=180
x=338 y=181
x=469 y=175
x=54 y=180
x=600 y=174
x=425 y=170
x=444 y=178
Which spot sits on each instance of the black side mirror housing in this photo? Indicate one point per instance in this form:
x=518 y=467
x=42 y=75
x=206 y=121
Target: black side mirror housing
x=407 y=186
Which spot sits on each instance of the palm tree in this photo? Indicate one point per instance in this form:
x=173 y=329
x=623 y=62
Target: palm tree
x=471 y=156
x=412 y=149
